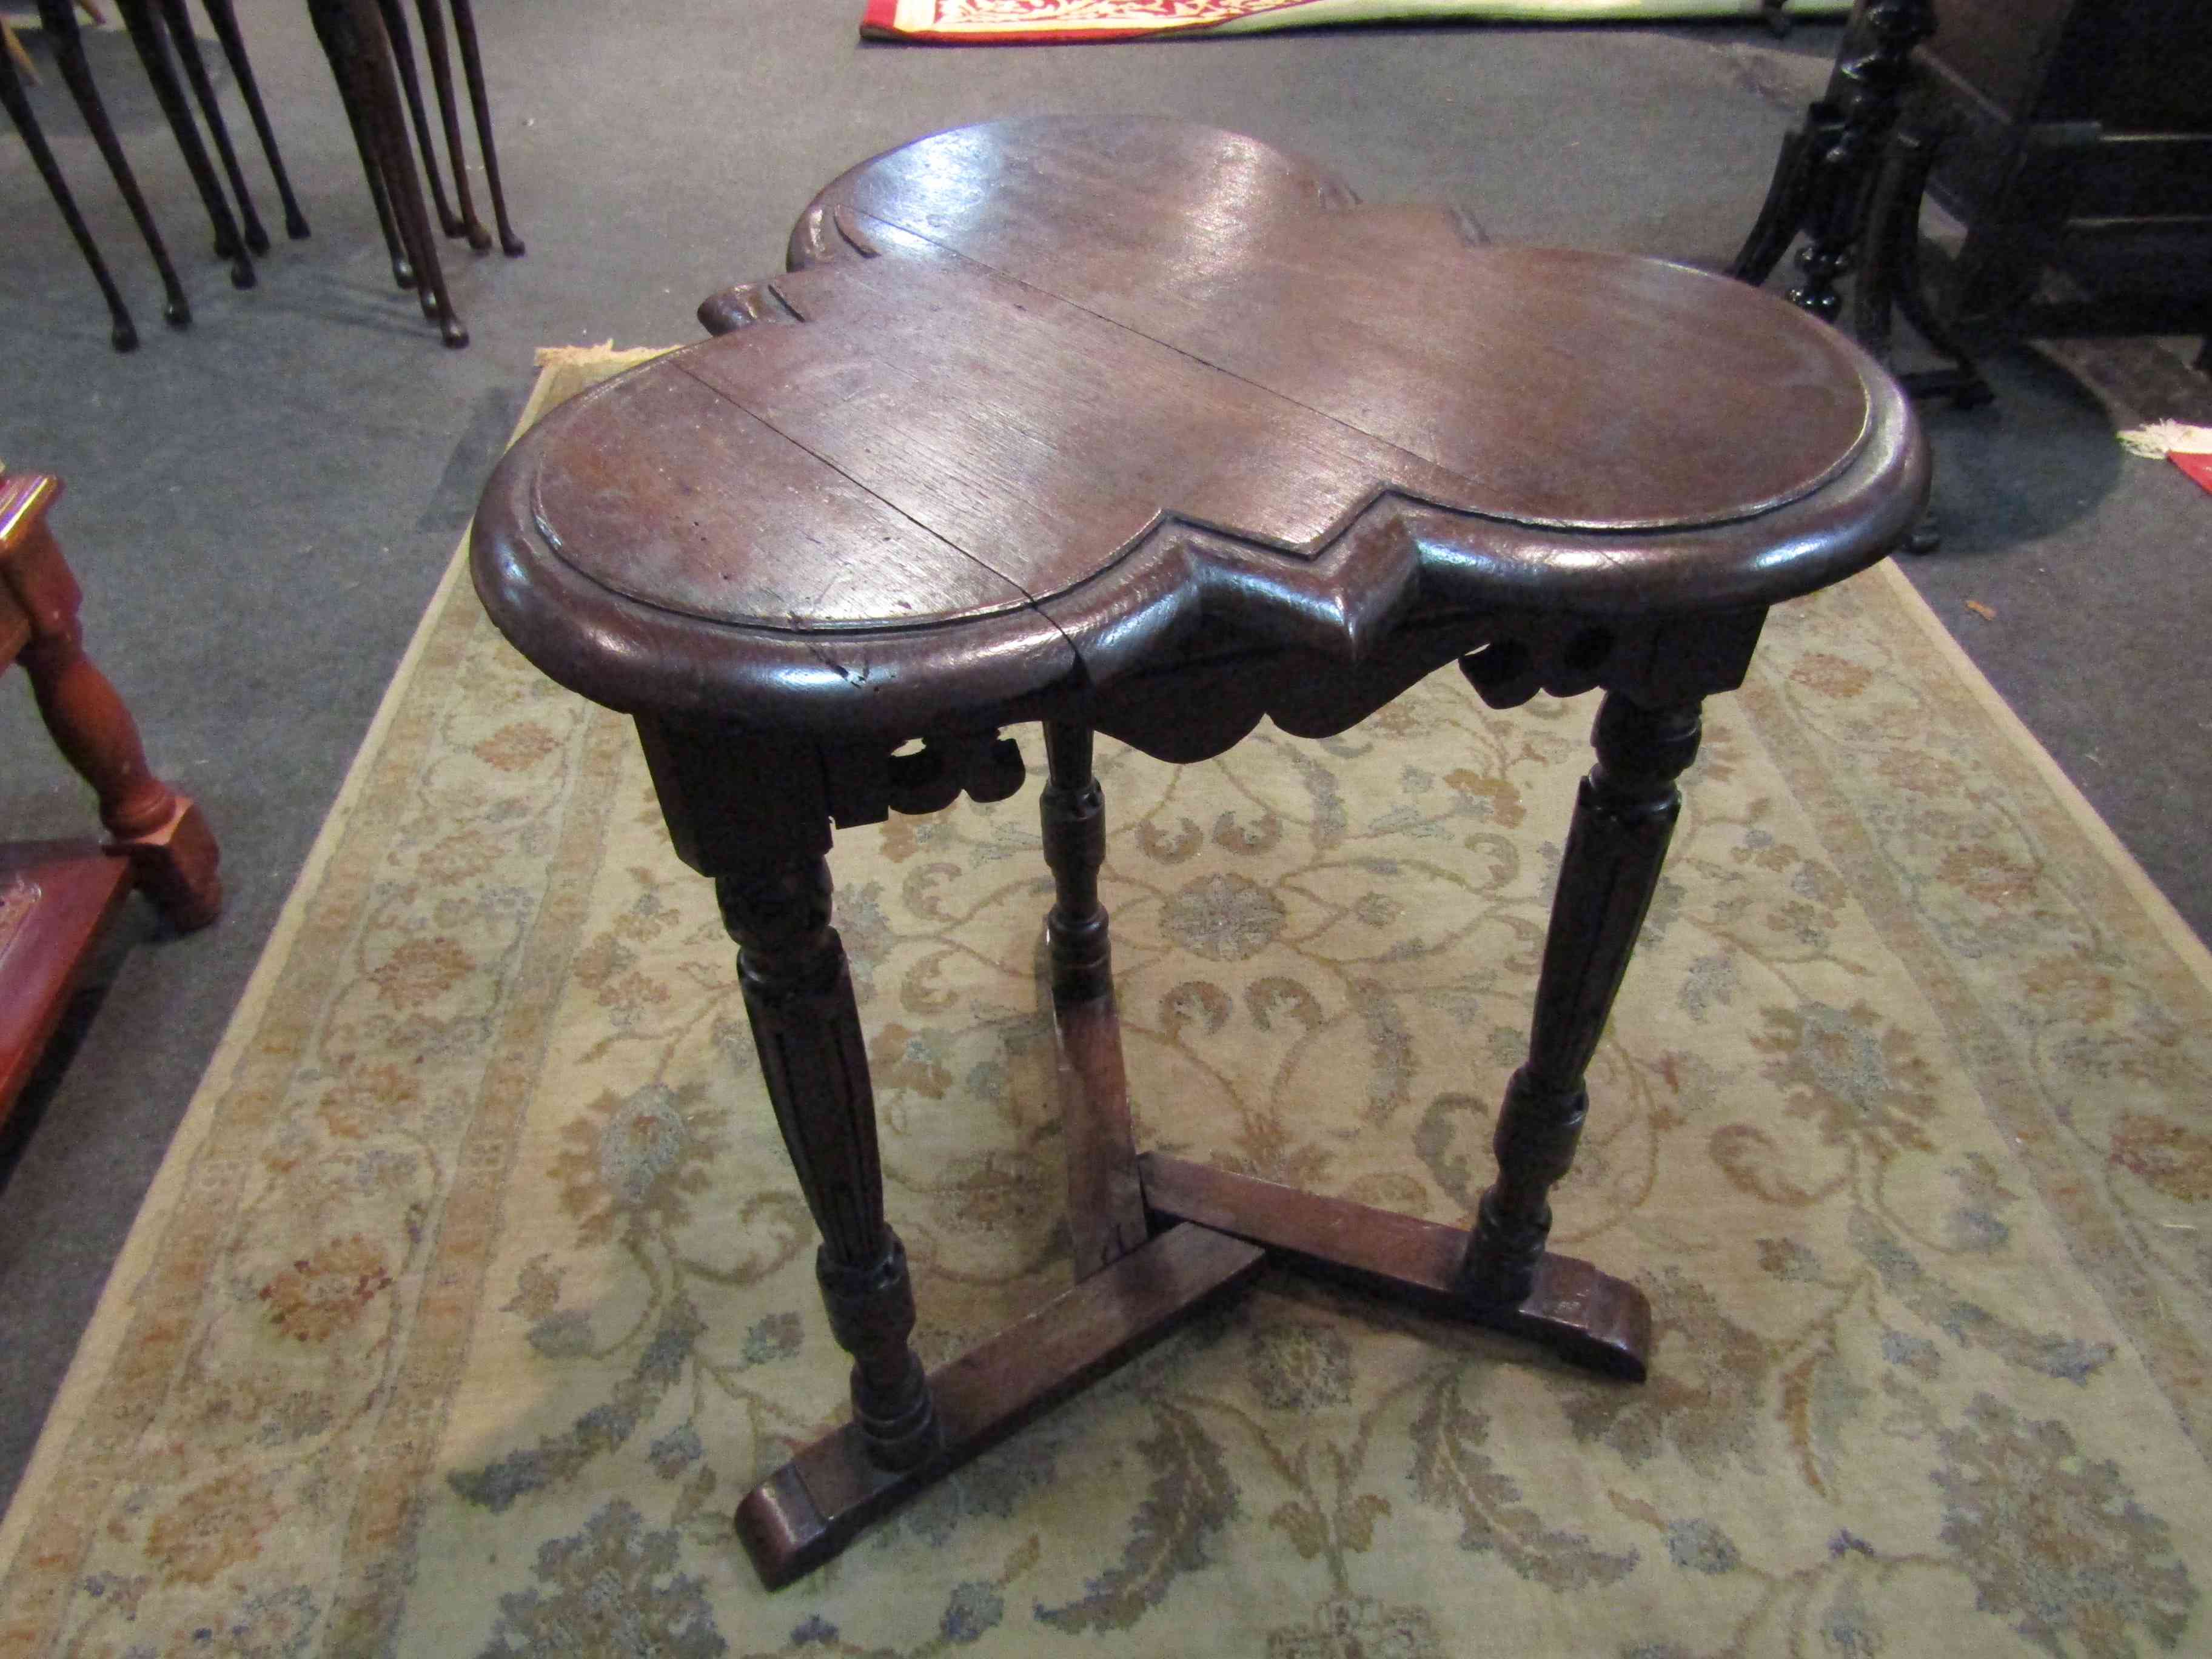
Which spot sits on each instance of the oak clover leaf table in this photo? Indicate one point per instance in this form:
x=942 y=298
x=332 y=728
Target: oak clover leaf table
x=1125 y=426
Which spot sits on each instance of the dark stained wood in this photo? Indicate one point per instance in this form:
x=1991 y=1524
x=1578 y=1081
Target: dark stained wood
x=1133 y=428
x=1309 y=425
x=799 y=1000
x=441 y=75
x=1105 y=1200
x=196 y=75
x=1570 y=1307
x=464 y=31
x=2084 y=143
x=150 y=27
x=356 y=40
x=123 y=333
x=222 y=14
x=1624 y=818
x=813 y=1506
x=58 y=21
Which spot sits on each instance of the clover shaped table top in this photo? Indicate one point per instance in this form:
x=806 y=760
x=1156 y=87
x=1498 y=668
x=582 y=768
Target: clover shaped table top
x=1045 y=399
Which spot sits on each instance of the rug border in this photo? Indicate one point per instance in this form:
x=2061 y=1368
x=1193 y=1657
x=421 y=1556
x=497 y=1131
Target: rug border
x=105 y=1332
x=2159 y=909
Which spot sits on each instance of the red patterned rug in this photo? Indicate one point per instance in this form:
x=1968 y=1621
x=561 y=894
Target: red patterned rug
x=1047 y=23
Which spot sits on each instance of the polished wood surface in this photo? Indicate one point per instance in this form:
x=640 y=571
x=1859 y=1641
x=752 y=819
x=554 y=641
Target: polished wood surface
x=1583 y=1314
x=1140 y=428
x=55 y=899
x=815 y=1505
x=161 y=833
x=1310 y=418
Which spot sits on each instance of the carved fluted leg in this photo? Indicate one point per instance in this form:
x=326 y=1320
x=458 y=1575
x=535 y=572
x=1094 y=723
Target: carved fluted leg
x=1105 y=1194
x=1624 y=816
x=754 y=812
x=799 y=996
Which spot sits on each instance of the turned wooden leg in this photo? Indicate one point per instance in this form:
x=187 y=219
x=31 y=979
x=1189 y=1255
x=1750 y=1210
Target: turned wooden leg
x=1624 y=816
x=1106 y=1216
x=171 y=852
x=753 y=812
x=799 y=996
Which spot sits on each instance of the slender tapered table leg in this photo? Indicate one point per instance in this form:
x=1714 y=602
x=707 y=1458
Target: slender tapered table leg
x=59 y=24
x=411 y=82
x=333 y=30
x=196 y=75
x=1106 y=1216
x=225 y=19
x=1624 y=816
x=464 y=31
x=123 y=332
x=147 y=36
x=449 y=116
x=360 y=56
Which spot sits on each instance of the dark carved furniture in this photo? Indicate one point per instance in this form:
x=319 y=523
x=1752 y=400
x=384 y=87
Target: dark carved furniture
x=2083 y=144
x=2072 y=136
x=1850 y=179
x=57 y=897
x=1128 y=426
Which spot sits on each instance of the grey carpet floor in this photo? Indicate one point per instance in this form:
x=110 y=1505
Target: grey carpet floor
x=259 y=507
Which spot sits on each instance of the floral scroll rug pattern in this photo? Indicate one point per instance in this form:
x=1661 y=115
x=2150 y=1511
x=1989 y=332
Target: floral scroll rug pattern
x=476 y=1289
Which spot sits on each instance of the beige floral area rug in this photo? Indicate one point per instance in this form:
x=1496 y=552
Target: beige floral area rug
x=476 y=1290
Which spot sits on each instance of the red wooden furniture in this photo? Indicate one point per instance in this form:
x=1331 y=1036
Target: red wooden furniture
x=57 y=897
x=1129 y=426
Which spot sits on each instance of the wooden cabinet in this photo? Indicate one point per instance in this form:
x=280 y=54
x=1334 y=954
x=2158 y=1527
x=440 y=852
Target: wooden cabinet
x=2081 y=142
